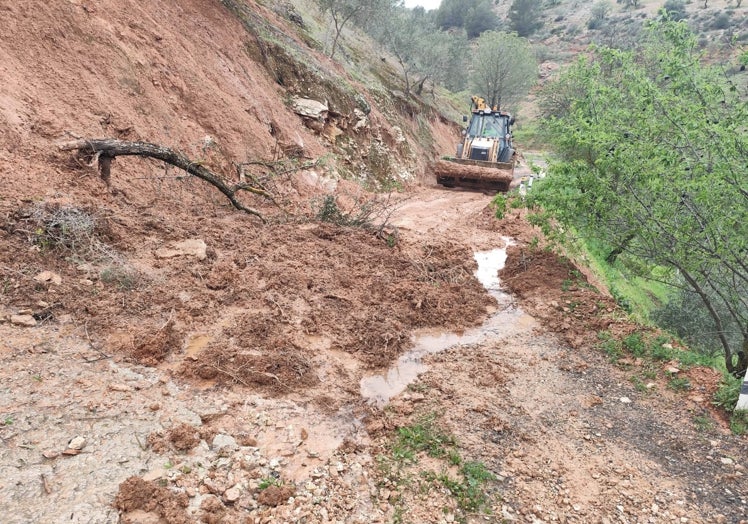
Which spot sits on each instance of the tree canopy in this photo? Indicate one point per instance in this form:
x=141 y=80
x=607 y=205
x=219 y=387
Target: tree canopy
x=524 y=16
x=422 y=51
x=503 y=68
x=344 y=11
x=654 y=166
x=475 y=16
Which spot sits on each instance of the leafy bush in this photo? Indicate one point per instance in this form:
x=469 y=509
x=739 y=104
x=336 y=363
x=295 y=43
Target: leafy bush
x=362 y=211
x=619 y=184
x=676 y=9
x=726 y=397
x=635 y=343
x=721 y=21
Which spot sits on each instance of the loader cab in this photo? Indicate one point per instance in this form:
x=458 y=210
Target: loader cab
x=489 y=125
x=488 y=137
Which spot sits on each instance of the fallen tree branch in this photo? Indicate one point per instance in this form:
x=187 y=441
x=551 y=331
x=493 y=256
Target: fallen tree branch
x=104 y=150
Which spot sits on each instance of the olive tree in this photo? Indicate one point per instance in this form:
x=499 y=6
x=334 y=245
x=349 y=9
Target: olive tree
x=475 y=16
x=503 y=68
x=422 y=51
x=344 y=11
x=524 y=16
x=654 y=155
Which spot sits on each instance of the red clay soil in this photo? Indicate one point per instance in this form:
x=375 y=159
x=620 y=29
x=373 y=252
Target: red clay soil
x=269 y=288
x=138 y=494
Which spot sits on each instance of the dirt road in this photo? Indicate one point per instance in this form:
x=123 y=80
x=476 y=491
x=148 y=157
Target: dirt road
x=311 y=311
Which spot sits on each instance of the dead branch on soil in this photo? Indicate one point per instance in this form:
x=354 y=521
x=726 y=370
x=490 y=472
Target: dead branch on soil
x=372 y=212
x=45 y=484
x=237 y=378
x=272 y=177
x=103 y=150
x=434 y=271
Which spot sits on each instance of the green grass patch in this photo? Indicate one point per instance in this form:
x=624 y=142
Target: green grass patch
x=703 y=423
x=266 y=482
x=531 y=136
x=610 y=345
x=679 y=384
x=637 y=296
x=469 y=488
x=466 y=481
x=635 y=344
x=423 y=436
x=640 y=386
x=726 y=397
x=739 y=422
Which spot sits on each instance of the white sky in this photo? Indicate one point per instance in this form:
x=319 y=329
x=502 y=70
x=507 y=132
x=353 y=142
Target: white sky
x=427 y=4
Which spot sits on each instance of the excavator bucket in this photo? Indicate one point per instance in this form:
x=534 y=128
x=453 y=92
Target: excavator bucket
x=474 y=174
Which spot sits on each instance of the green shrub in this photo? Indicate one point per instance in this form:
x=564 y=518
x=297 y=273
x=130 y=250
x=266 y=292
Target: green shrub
x=726 y=397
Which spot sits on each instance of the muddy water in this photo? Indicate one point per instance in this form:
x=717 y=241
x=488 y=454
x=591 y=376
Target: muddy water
x=507 y=320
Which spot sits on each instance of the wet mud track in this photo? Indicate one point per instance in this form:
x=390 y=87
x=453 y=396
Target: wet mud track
x=567 y=435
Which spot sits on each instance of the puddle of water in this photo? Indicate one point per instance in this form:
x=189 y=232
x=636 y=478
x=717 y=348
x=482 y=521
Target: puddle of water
x=379 y=389
x=196 y=345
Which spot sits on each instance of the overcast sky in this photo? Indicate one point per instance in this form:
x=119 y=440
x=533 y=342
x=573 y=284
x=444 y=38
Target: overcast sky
x=427 y=4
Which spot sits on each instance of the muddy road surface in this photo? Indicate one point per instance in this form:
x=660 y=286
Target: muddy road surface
x=234 y=385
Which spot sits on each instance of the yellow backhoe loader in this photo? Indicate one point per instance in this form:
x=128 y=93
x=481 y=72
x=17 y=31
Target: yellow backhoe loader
x=485 y=158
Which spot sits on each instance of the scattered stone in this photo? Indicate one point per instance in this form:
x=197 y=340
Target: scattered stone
x=726 y=461
x=246 y=440
x=190 y=247
x=310 y=108
x=48 y=277
x=23 y=320
x=672 y=370
x=77 y=443
x=362 y=121
x=625 y=400
x=224 y=441
x=124 y=388
x=50 y=454
x=155 y=474
x=232 y=494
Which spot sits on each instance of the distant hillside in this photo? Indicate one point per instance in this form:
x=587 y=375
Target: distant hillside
x=570 y=25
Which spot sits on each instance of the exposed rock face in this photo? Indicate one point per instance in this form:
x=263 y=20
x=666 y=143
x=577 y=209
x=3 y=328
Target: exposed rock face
x=310 y=108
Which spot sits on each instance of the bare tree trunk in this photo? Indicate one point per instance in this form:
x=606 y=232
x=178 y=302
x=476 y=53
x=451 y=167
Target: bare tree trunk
x=104 y=150
x=737 y=369
x=419 y=85
x=613 y=255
